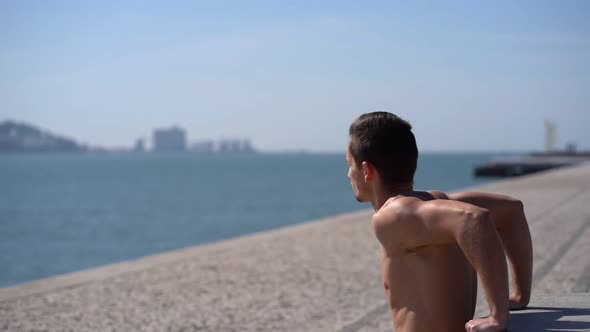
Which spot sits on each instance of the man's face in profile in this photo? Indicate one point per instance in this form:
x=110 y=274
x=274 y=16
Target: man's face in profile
x=357 y=178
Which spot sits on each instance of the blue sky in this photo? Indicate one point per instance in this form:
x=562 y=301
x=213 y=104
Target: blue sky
x=469 y=76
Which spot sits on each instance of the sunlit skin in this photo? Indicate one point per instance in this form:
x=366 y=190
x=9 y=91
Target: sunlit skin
x=433 y=245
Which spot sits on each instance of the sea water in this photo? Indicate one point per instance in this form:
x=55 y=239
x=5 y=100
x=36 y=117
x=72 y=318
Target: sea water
x=65 y=212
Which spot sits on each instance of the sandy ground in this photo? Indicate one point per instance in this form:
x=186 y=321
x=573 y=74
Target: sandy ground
x=318 y=276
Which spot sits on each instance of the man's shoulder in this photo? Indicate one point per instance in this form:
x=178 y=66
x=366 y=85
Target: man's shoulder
x=409 y=222
x=399 y=207
x=396 y=208
x=388 y=221
x=400 y=210
x=396 y=214
x=403 y=221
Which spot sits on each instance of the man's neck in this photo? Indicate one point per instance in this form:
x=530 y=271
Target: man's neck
x=381 y=194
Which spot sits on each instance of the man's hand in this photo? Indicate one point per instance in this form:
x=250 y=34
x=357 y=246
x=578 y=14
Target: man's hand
x=517 y=301
x=484 y=324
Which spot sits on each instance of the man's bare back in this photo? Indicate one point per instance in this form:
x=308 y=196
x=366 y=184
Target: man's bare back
x=430 y=287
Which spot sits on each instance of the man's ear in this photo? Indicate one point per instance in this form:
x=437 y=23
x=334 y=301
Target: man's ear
x=368 y=170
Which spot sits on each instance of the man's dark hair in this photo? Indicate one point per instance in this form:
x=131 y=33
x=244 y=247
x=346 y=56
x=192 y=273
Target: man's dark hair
x=386 y=141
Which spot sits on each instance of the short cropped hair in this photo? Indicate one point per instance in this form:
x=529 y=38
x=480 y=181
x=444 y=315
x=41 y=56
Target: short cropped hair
x=386 y=141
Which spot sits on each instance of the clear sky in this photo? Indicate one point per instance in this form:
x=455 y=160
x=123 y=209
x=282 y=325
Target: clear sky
x=469 y=75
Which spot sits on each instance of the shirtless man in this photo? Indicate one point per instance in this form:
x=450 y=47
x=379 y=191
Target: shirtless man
x=432 y=245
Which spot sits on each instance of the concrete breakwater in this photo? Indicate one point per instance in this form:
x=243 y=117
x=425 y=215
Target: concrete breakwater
x=318 y=276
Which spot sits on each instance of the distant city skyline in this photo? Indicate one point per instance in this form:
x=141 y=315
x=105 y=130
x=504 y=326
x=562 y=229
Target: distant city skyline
x=468 y=76
x=18 y=136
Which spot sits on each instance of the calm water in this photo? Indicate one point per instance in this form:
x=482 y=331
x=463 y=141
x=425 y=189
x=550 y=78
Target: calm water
x=61 y=213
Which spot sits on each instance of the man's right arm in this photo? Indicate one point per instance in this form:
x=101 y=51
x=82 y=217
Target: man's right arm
x=477 y=237
x=508 y=216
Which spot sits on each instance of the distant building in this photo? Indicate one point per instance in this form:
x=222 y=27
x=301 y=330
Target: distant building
x=229 y=146
x=235 y=146
x=224 y=146
x=172 y=139
x=139 y=145
x=203 y=147
x=247 y=146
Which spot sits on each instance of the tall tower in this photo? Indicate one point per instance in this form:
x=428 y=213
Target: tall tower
x=549 y=136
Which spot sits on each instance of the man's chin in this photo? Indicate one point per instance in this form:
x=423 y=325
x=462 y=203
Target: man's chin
x=360 y=199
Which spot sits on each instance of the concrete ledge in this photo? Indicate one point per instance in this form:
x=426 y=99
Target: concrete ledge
x=569 y=312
